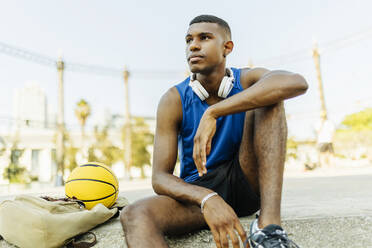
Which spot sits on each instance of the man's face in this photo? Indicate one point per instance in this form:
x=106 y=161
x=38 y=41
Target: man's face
x=205 y=46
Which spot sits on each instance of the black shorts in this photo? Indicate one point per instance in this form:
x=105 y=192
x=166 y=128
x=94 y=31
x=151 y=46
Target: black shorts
x=230 y=183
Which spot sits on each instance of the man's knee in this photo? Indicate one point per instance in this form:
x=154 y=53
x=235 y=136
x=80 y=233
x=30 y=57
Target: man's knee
x=127 y=216
x=275 y=111
x=135 y=216
x=271 y=118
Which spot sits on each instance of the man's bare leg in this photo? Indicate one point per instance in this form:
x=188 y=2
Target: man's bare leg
x=262 y=157
x=146 y=221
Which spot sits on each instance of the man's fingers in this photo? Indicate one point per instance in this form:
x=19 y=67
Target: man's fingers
x=203 y=158
x=234 y=238
x=223 y=239
x=200 y=156
x=196 y=158
x=239 y=228
x=216 y=237
x=209 y=147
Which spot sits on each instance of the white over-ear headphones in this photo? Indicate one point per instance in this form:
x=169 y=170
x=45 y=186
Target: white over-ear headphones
x=225 y=86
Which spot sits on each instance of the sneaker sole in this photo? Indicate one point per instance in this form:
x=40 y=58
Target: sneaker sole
x=252 y=245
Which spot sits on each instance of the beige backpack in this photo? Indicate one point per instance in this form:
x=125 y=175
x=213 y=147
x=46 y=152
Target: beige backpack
x=30 y=221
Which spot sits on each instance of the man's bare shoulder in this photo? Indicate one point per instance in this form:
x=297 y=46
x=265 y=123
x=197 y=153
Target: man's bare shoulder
x=170 y=107
x=249 y=76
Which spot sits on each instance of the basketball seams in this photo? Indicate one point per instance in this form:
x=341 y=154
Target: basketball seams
x=90 y=179
x=95 y=180
x=96 y=199
x=115 y=198
x=107 y=180
x=98 y=165
x=113 y=175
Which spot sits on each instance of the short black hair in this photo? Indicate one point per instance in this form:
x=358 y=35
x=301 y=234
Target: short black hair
x=212 y=19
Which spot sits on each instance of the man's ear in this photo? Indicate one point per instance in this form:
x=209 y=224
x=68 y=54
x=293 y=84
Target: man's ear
x=228 y=47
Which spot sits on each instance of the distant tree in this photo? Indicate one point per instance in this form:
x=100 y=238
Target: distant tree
x=359 y=121
x=102 y=149
x=2 y=146
x=14 y=172
x=82 y=112
x=70 y=153
x=355 y=137
x=292 y=146
x=141 y=139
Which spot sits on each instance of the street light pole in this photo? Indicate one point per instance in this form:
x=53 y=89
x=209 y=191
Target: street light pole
x=250 y=63
x=127 y=127
x=316 y=57
x=60 y=151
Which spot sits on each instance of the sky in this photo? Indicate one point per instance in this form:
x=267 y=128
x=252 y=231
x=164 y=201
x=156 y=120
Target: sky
x=147 y=37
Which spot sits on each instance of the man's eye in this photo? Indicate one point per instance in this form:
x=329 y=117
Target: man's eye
x=204 y=37
x=188 y=40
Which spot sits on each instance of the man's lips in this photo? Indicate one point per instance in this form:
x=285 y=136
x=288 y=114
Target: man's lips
x=195 y=58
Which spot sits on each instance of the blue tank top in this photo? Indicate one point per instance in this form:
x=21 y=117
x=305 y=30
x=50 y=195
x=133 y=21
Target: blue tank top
x=225 y=142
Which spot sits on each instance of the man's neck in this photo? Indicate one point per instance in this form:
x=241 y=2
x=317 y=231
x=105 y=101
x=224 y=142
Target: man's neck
x=211 y=81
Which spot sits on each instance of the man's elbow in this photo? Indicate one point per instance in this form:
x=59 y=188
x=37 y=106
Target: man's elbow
x=299 y=83
x=156 y=183
x=293 y=84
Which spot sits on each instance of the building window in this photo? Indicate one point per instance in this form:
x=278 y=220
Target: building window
x=35 y=162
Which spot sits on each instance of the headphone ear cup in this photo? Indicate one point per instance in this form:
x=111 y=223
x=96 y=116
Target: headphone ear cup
x=222 y=87
x=230 y=73
x=226 y=84
x=228 y=87
x=225 y=87
x=199 y=89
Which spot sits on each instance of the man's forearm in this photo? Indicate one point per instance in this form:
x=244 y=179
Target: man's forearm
x=273 y=88
x=176 y=188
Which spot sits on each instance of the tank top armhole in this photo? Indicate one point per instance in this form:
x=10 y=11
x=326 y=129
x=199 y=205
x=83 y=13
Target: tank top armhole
x=183 y=106
x=237 y=73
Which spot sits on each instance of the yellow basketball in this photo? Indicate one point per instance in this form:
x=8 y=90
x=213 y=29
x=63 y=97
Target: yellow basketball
x=93 y=183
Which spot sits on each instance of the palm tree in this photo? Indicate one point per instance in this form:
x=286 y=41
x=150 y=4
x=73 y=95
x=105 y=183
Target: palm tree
x=82 y=112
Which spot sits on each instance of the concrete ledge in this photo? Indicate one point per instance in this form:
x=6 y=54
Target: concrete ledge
x=320 y=211
x=332 y=232
x=352 y=231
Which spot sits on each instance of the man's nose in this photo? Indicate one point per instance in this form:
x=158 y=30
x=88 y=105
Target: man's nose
x=194 y=46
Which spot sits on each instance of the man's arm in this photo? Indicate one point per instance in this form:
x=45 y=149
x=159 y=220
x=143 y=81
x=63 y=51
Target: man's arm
x=219 y=216
x=261 y=88
x=168 y=121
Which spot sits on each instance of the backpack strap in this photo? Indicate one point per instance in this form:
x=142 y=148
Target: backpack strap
x=82 y=244
x=66 y=199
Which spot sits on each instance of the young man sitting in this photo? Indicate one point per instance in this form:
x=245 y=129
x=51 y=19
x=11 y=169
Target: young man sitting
x=230 y=129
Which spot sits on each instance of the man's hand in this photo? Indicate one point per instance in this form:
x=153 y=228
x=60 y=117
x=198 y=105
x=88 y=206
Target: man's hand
x=203 y=141
x=223 y=222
